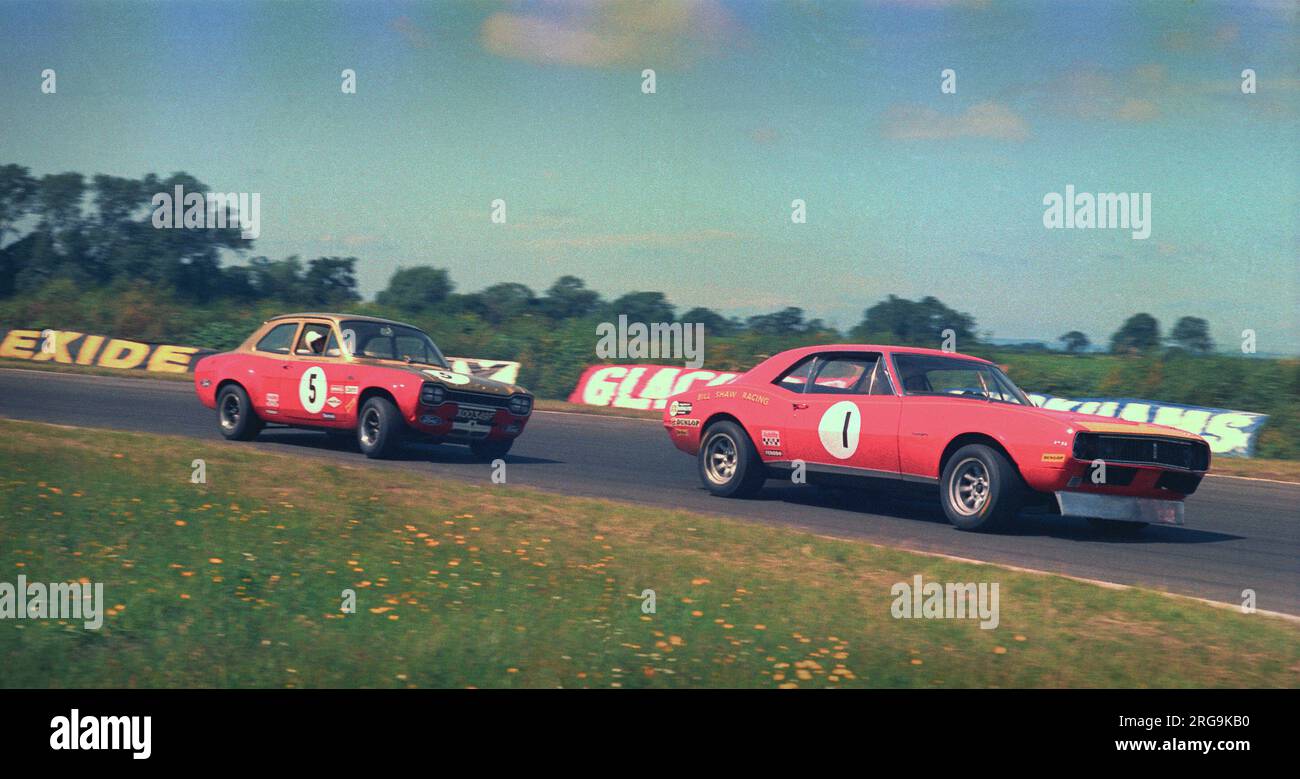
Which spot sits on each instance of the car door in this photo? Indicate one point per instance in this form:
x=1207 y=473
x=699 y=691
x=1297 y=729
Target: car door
x=845 y=416
x=315 y=378
x=271 y=353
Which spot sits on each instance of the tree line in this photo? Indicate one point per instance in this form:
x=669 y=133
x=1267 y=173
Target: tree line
x=97 y=233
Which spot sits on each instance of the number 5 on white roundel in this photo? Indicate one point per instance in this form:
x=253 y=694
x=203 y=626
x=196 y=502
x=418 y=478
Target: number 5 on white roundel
x=311 y=390
x=840 y=428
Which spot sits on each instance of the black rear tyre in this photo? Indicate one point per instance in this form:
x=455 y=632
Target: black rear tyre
x=379 y=428
x=980 y=489
x=235 y=416
x=728 y=462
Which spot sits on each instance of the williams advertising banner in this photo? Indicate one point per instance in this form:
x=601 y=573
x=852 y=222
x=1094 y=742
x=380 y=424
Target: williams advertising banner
x=1229 y=433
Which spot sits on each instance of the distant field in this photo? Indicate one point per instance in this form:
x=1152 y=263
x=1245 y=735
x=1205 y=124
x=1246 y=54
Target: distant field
x=237 y=583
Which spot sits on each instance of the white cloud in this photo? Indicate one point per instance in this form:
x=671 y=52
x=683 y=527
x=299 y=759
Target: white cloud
x=982 y=120
x=643 y=33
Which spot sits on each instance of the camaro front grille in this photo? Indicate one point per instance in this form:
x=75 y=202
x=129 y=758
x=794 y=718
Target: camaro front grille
x=1146 y=450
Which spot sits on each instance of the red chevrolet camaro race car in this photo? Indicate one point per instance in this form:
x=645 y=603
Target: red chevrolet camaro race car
x=937 y=418
x=355 y=375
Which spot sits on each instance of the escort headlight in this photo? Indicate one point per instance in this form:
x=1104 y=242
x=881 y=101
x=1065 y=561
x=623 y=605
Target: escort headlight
x=432 y=394
x=520 y=405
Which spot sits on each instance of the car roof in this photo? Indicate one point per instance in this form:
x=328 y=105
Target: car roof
x=806 y=350
x=339 y=317
x=768 y=369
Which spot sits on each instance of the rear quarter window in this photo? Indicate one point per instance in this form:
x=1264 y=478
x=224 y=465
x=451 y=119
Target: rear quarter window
x=278 y=339
x=796 y=378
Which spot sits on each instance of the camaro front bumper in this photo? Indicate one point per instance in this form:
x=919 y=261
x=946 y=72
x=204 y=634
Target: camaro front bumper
x=1120 y=507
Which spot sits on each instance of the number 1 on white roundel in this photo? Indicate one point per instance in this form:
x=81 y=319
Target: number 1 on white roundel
x=840 y=428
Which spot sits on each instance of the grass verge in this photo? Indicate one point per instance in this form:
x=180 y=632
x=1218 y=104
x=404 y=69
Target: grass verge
x=1279 y=470
x=238 y=583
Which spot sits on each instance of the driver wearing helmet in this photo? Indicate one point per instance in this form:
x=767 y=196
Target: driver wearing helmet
x=315 y=342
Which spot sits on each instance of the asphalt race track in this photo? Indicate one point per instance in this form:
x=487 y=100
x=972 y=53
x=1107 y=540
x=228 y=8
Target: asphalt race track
x=1240 y=534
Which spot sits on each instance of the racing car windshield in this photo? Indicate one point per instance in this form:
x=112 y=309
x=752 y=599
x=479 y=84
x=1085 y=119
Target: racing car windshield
x=384 y=341
x=924 y=374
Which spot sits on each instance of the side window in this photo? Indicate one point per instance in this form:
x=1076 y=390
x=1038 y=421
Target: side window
x=278 y=339
x=373 y=341
x=796 y=379
x=332 y=348
x=841 y=375
x=313 y=339
x=878 y=382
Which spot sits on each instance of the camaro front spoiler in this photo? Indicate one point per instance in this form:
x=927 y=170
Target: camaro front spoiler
x=1120 y=507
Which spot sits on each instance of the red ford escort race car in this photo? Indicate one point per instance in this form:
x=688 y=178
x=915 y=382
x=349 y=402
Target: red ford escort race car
x=351 y=374
x=938 y=418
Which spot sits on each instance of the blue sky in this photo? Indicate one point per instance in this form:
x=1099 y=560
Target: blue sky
x=909 y=191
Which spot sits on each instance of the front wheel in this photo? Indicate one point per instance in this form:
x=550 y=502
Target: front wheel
x=235 y=416
x=490 y=450
x=729 y=463
x=980 y=489
x=379 y=429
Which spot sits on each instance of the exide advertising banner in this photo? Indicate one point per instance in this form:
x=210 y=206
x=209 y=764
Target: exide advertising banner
x=72 y=348
x=647 y=387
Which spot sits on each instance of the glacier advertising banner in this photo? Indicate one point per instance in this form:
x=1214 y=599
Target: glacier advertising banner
x=641 y=387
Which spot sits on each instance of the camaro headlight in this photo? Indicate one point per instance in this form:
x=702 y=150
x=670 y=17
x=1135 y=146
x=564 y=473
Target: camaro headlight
x=432 y=394
x=520 y=405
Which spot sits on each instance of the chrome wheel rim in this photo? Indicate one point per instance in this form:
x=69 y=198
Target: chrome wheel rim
x=968 y=489
x=370 y=427
x=230 y=411
x=720 y=459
